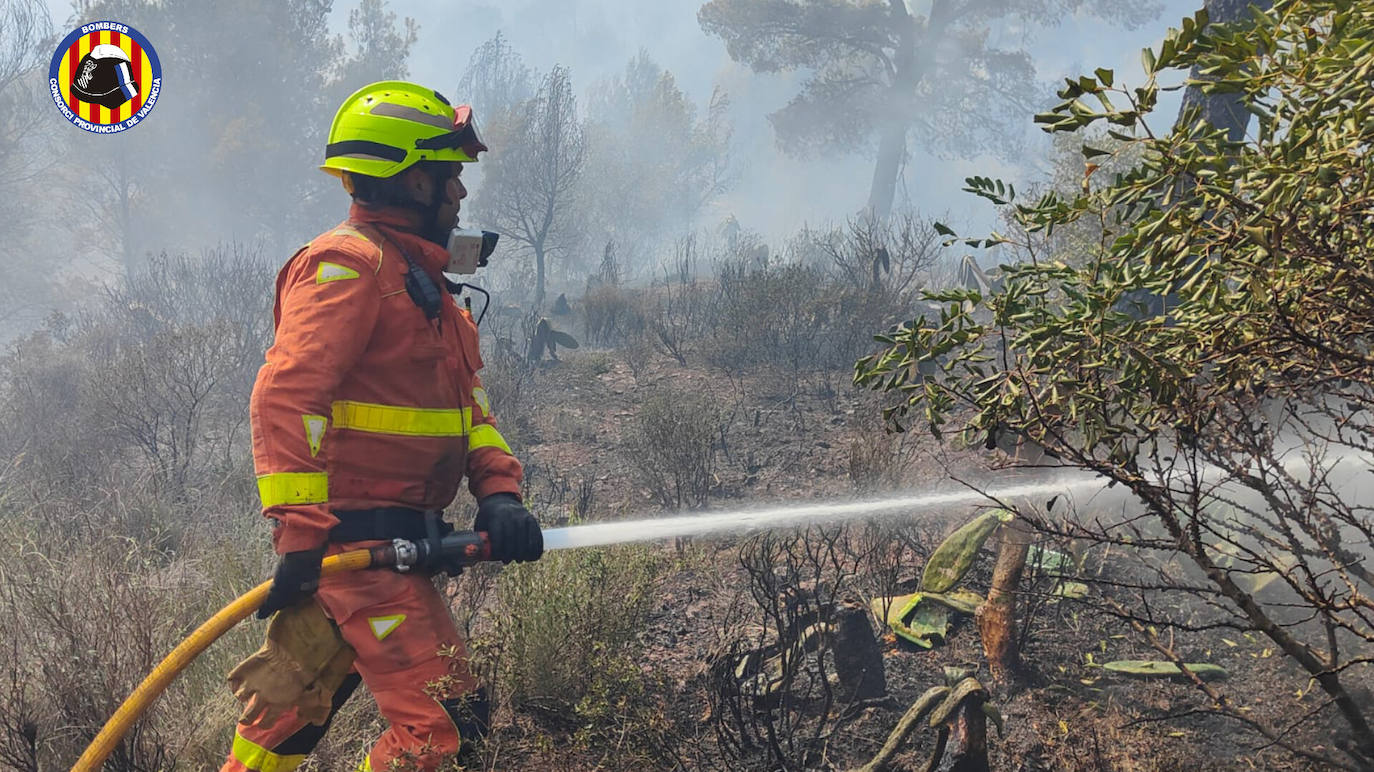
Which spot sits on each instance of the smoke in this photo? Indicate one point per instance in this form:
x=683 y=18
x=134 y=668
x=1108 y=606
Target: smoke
x=776 y=194
x=232 y=133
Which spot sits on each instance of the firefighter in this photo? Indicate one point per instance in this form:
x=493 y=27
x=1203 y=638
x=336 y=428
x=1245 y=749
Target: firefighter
x=365 y=418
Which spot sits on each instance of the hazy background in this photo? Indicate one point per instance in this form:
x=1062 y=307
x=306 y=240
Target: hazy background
x=776 y=194
x=771 y=194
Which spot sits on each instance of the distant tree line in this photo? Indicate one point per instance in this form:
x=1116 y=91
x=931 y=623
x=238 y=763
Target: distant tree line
x=633 y=168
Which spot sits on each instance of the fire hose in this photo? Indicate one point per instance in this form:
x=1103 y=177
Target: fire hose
x=459 y=547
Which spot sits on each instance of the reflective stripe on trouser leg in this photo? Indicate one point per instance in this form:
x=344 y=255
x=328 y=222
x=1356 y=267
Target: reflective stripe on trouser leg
x=289 y=738
x=409 y=667
x=258 y=759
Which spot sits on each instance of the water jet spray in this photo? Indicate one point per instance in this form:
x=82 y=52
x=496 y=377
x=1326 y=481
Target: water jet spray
x=800 y=514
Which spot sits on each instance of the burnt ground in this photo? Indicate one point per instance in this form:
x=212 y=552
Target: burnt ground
x=787 y=440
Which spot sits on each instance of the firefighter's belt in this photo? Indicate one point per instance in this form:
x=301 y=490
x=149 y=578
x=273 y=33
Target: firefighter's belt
x=383 y=524
x=300 y=665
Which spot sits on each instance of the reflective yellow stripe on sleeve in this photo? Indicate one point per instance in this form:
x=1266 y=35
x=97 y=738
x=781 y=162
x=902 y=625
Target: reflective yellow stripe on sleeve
x=408 y=421
x=486 y=436
x=259 y=759
x=293 y=488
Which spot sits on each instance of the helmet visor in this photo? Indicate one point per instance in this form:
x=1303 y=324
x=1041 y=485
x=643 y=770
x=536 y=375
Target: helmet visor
x=463 y=136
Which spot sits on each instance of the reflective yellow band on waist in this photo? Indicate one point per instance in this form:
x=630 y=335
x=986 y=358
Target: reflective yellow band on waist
x=259 y=759
x=486 y=436
x=293 y=488
x=408 y=421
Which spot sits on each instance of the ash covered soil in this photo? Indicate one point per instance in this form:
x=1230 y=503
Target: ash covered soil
x=781 y=439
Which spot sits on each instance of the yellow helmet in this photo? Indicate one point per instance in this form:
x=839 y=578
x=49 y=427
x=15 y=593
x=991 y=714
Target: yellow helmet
x=386 y=127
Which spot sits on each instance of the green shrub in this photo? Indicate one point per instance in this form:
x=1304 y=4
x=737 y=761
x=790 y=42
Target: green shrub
x=672 y=446
x=563 y=625
x=624 y=701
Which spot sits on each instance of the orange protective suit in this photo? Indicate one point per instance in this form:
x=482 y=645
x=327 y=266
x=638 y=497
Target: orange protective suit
x=364 y=403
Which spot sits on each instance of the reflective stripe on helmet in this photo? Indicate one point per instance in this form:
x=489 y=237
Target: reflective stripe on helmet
x=293 y=488
x=392 y=110
x=407 y=421
x=364 y=149
x=486 y=436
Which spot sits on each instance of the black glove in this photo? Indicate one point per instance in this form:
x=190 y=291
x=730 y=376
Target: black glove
x=297 y=578
x=513 y=531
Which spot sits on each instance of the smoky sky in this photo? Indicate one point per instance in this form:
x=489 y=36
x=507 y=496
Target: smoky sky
x=775 y=194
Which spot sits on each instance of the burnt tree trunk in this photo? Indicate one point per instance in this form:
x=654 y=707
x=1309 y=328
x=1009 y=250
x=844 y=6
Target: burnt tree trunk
x=892 y=135
x=914 y=62
x=891 y=151
x=970 y=737
x=997 y=615
x=1224 y=111
x=539 y=276
x=858 y=660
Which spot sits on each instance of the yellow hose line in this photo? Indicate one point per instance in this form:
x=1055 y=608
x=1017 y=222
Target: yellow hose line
x=185 y=652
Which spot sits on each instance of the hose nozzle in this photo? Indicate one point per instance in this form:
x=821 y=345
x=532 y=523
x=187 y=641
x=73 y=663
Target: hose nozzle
x=459 y=548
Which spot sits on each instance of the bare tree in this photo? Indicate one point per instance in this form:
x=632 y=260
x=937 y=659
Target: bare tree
x=497 y=80
x=529 y=187
x=381 y=48
x=24 y=25
x=871 y=254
